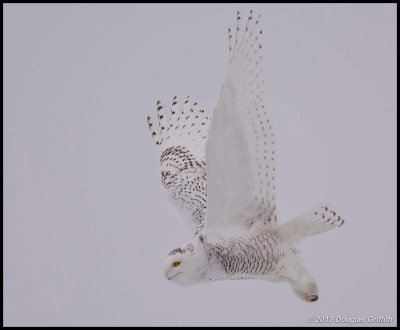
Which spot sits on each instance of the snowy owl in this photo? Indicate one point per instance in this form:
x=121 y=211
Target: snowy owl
x=220 y=173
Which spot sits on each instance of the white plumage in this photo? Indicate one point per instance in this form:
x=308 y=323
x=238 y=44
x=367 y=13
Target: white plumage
x=221 y=175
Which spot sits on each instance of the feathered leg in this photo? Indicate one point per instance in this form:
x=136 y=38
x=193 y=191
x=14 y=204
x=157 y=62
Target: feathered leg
x=303 y=284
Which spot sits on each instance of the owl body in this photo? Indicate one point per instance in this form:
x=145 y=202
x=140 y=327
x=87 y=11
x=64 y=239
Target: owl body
x=258 y=255
x=220 y=173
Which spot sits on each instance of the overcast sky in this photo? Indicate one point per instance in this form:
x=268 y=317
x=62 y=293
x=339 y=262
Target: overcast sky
x=86 y=223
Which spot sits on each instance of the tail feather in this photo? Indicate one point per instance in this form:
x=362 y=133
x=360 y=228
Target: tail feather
x=318 y=220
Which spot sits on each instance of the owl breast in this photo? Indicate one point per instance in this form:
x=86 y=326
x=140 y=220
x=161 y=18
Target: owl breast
x=250 y=256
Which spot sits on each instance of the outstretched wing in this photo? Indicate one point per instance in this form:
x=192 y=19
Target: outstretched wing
x=240 y=149
x=180 y=134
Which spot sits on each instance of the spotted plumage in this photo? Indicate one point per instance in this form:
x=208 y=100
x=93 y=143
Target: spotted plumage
x=221 y=174
x=180 y=136
x=249 y=256
x=187 y=249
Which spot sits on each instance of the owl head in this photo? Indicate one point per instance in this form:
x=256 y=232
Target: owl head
x=187 y=265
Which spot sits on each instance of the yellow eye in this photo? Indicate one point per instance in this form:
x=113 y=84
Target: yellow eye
x=176 y=263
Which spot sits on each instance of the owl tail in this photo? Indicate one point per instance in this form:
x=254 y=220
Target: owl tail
x=318 y=220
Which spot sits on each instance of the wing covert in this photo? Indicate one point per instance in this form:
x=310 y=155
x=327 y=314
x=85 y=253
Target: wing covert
x=180 y=136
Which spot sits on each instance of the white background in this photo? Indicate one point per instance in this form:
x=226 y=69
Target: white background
x=86 y=224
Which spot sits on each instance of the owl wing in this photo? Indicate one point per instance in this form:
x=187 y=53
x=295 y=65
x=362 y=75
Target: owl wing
x=240 y=149
x=180 y=134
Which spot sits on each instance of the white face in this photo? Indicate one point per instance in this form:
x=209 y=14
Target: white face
x=185 y=265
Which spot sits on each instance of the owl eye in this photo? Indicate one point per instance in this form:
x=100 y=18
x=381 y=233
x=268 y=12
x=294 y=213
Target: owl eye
x=176 y=263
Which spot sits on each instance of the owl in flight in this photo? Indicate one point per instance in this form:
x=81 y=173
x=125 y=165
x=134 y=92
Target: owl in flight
x=220 y=173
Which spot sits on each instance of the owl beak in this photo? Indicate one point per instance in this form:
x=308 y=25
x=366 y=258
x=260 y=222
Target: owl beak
x=171 y=277
x=167 y=276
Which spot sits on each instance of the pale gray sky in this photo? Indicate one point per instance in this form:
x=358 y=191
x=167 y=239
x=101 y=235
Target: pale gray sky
x=86 y=224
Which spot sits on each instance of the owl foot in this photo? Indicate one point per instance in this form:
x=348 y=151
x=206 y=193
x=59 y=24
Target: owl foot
x=310 y=295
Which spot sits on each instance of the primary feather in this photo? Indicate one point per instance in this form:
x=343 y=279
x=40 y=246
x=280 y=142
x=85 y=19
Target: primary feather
x=240 y=151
